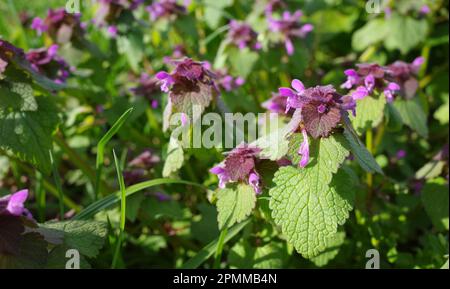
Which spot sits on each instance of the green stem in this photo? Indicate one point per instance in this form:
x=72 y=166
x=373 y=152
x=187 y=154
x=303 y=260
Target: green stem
x=369 y=176
x=218 y=255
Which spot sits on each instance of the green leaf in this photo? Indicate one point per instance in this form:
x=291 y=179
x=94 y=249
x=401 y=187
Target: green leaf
x=371 y=33
x=234 y=204
x=326 y=154
x=57 y=259
x=132 y=47
x=333 y=245
x=87 y=237
x=413 y=115
x=430 y=170
x=133 y=206
x=25 y=70
x=306 y=202
x=242 y=60
x=205 y=229
x=27 y=125
x=32 y=253
x=245 y=256
x=441 y=114
x=153 y=209
x=211 y=248
x=394 y=121
x=362 y=155
x=175 y=157
x=341 y=22
x=435 y=200
x=369 y=113
x=214 y=11
x=307 y=209
x=405 y=32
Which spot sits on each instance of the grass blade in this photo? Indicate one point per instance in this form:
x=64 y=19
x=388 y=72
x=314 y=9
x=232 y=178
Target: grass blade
x=101 y=147
x=123 y=206
x=58 y=185
x=212 y=247
x=113 y=199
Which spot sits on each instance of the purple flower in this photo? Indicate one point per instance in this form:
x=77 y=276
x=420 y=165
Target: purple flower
x=424 y=10
x=110 y=10
x=304 y=150
x=190 y=83
x=149 y=88
x=390 y=90
x=47 y=62
x=242 y=35
x=239 y=166
x=396 y=78
x=273 y=5
x=226 y=81
x=14 y=204
x=289 y=26
x=277 y=103
x=165 y=9
x=61 y=26
x=134 y=176
x=112 y=31
x=254 y=182
x=294 y=97
x=7 y=53
x=145 y=160
x=401 y=154
x=404 y=74
x=3 y=65
x=179 y=52
x=318 y=110
x=320 y=107
x=162 y=197
x=352 y=79
x=38 y=25
x=366 y=79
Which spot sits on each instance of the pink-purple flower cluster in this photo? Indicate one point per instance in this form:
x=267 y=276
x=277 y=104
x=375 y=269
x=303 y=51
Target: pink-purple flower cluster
x=242 y=35
x=190 y=83
x=277 y=103
x=7 y=53
x=223 y=79
x=289 y=27
x=398 y=77
x=111 y=10
x=186 y=75
x=61 y=26
x=149 y=88
x=318 y=110
x=47 y=62
x=240 y=166
x=14 y=205
x=139 y=167
x=273 y=5
x=165 y=9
